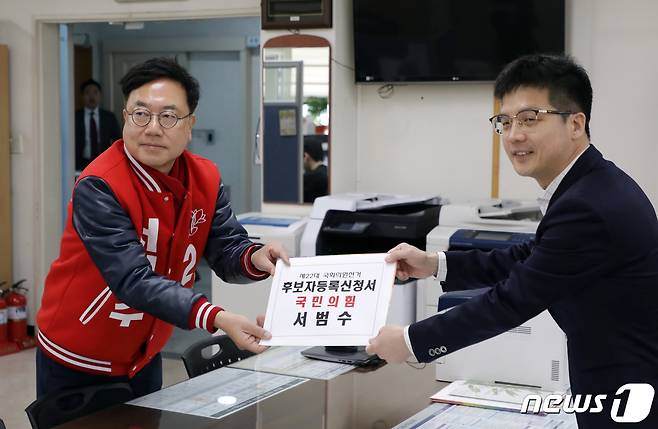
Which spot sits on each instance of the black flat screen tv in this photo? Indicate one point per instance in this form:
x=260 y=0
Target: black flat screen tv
x=450 y=40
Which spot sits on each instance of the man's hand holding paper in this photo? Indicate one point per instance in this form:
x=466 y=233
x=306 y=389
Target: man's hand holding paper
x=412 y=262
x=244 y=333
x=389 y=344
x=265 y=257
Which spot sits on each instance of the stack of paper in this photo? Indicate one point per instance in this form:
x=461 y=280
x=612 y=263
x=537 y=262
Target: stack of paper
x=446 y=416
x=486 y=395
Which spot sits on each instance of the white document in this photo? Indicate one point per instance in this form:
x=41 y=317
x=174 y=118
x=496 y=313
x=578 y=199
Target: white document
x=457 y=417
x=339 y=300
x=489 y=395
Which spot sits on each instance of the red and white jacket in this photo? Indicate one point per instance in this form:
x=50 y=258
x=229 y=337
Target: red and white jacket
x=111 y=297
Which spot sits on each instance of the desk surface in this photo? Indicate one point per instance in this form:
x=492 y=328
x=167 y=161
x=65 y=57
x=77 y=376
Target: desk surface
x=464 y=417
x=307 y=399
x=385 y=397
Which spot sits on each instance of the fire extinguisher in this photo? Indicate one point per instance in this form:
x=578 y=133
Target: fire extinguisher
x=4 y=330
x=17 y=314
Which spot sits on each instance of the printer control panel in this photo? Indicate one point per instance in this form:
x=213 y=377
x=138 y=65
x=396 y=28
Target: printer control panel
x=468 y=239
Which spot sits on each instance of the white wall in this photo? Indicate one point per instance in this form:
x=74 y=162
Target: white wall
x=22 y=78
x=436 y=138
x=624 y=71
x=425 y=139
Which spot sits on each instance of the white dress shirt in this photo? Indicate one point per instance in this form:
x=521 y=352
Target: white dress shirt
x=86 y=151
x=552 y=187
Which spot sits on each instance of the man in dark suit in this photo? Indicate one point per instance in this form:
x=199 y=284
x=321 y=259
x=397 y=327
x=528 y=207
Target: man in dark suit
x=316 y=179
x=95 y=128
x=593 y=263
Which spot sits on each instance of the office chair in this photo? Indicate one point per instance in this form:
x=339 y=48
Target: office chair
x=196 y=363
x=2 y=424
x=68 y=404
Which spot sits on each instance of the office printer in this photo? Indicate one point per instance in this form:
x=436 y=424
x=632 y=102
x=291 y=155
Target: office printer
x=372 y=223
x=534 y=353
x=251 y=299
x=484 y=225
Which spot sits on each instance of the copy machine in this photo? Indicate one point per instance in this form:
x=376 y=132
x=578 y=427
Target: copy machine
x=372 y=223
x=251 y=299
x=534 y=353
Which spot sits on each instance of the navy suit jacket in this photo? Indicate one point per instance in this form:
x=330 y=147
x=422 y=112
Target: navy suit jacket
x=109 y=133
x=593 y=265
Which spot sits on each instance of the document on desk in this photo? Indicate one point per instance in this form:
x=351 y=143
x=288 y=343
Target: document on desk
x=218 y=393
x=288 y=360
x=446 y=416
x=338 y=300
x=488 y=395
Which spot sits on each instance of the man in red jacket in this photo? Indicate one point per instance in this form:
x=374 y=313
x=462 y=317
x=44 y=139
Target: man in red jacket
x=141 y=216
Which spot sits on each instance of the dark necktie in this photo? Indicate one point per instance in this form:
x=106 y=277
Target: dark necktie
x=93 y=136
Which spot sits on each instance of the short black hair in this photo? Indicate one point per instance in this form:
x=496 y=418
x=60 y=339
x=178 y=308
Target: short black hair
x=161 y=68
x=568 y=85
x=313 y=147
x=88 y=82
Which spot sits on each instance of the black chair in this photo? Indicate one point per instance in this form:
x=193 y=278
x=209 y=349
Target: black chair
x=2 y=424
x=196 y=363
x=68 y=404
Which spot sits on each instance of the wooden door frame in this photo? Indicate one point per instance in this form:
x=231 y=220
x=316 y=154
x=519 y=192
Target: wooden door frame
x=82 y=70
x=6 y=259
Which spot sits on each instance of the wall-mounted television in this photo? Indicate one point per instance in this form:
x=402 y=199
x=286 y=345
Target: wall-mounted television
x=450 y=40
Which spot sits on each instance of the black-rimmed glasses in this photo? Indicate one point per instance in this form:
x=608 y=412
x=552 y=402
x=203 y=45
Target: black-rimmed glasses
x=525 y=118
x=166 y=119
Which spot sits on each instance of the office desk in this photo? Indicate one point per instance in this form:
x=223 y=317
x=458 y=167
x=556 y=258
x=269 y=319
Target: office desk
x=301 y=406
x=379 y=398
x=463 y=417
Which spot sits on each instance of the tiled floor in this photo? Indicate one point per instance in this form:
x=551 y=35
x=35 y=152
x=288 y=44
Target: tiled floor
x=17 y=385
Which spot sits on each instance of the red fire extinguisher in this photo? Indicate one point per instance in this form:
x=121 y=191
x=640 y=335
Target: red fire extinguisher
x=17 y=312
x=4 y=330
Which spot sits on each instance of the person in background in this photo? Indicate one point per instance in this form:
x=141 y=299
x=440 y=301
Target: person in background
x=95 y=128
x=142 y=215
x=593 y=263
x=316 y=179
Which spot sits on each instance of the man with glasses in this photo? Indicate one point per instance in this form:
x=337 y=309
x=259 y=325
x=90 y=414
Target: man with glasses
x=593 y=263
x=142 y=215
